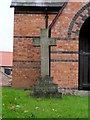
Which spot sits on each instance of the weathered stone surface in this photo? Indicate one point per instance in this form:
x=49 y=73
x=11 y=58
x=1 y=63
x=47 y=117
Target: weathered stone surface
x=82 y=93
x=46 y=88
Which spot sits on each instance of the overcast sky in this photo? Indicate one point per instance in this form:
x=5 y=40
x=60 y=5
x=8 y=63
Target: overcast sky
x=6 y=25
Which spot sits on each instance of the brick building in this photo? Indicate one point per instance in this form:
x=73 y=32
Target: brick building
x=6 y=62
x=6 y=65
x=69 y=23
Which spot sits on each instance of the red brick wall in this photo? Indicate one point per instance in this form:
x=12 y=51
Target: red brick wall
x=60 y=28
x=26 y=57
x=65 y=73
x=64 y=56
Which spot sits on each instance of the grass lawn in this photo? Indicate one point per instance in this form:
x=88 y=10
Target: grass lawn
x=18 y=104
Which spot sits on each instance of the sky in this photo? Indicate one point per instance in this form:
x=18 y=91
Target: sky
x=6 y=26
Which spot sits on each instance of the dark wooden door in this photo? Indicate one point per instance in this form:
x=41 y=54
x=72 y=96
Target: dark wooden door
x=84 y=56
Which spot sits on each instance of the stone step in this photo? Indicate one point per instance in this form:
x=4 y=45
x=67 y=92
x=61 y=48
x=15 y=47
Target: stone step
x=47 y=94
x=53 y=88
x=46 y=85
x=45 y=81
x=82 y=93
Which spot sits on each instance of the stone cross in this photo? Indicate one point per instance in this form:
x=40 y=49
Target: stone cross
x=44 y=42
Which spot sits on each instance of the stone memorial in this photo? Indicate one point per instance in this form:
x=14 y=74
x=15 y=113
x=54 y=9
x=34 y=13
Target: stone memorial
x=45 y=86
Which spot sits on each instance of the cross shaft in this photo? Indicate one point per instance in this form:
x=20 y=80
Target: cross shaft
x=44 y=42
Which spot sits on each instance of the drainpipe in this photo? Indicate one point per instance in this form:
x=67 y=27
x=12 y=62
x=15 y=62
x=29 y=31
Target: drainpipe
x=46 y=17
x=55 y=19
x=52 y=24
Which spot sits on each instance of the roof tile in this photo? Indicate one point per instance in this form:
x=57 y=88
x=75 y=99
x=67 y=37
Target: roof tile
x=6 y=58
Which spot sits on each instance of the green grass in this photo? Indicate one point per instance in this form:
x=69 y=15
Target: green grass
x=18 y=104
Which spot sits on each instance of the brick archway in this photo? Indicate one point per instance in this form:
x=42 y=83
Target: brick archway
x=78 y=21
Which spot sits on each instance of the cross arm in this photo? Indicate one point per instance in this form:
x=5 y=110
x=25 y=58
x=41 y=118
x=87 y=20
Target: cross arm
x=36 y=41
x=52 y=41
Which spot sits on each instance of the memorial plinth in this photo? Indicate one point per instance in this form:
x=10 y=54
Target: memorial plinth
x=46 y=88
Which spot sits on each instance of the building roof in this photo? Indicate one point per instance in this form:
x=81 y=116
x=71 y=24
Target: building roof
x=39 y=3
x=6 y=58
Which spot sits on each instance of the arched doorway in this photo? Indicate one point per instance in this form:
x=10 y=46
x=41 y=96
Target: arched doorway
x=84 y=56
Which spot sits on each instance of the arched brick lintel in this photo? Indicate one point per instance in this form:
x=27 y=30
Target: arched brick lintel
x=78 y=20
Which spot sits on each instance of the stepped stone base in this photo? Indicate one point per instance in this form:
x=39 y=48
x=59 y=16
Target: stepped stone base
x=46 y=88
